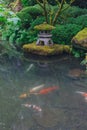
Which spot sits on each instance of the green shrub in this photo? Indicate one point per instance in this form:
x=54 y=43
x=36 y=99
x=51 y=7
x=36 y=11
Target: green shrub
x=74 y=11
x=26 y=18
x=16 y=35
x=28 y=14
x=34 y=11
x=10 y=25
x=37 y=21
x=80 y=20
x=5 y=14
x=71 y=15
x=33 y=2
x=63 y=34
x=28 y=2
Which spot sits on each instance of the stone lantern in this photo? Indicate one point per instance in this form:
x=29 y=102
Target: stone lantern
x=44 y=36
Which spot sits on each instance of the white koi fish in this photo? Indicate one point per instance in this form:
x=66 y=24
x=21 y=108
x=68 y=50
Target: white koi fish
x=34 y=107
x=84 y=94
x=37 y=88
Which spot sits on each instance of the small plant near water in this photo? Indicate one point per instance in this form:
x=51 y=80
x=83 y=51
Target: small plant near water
x=84 y=62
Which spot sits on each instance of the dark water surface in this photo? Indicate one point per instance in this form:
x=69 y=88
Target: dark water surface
x=63 y=109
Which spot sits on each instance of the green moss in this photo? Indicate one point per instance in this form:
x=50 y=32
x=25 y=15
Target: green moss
x=44 y=26
x=46 y=50
x=81 y=35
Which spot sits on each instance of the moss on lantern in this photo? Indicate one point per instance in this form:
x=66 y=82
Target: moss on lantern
x=44 y=26
x=46 y=50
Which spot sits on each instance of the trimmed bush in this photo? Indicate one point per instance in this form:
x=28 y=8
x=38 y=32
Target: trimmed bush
x=74 y=11
x=80 y=20
x=71 y=15
x=26 y=19
x=34 y=11
x=28 y=2
x=63 y=34
x=37 y=21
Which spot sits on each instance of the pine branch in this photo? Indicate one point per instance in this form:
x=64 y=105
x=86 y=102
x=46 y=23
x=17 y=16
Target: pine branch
x=58 y=3
x=40 y=4
x=58 y=12
x=45 y=10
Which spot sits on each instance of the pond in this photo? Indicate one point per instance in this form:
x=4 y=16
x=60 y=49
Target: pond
x=64 y=108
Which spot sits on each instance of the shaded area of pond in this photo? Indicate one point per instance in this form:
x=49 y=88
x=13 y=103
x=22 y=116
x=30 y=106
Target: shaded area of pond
x=63 y=109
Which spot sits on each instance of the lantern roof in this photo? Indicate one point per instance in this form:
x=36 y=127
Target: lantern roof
x=44 y=26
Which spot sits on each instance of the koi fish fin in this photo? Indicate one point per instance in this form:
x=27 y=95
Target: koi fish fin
x=24 y=95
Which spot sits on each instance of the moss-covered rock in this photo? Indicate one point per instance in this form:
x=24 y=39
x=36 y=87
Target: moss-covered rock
x=81 y=38
x=46 y=50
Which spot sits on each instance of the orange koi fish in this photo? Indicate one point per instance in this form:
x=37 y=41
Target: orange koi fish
x=84 y=94
x=48 y=90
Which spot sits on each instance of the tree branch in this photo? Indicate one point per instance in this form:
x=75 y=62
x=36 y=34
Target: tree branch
x=58 y=3
x=68 y=6
x=45 y=10
x=40 y=4
x=58 y=12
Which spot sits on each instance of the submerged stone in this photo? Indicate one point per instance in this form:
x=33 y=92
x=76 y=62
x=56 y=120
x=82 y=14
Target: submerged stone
x=76 y=73
x=50 y=117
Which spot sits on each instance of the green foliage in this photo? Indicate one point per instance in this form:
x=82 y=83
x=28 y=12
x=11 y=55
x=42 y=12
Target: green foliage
x=10 y=50
x=63 y=34
x=34 y=11
x=26 y=18
x=2 y=2
x=18 y=36
x=14 y=34
x=4 y=14
x=28 y=14
x=84 y=62
x=78 y=52
x=33 y=2
x=80 y=20
x=11 y=26
x=37 y=21
x=32 y=36
x=74 y=12
x=73 y=15
x=28 y=2
x=80 y=3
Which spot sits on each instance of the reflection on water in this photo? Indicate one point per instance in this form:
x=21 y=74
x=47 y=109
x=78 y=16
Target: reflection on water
x=63 y=109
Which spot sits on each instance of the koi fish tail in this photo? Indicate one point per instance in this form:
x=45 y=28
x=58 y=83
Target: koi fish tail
x=80 y=92
x=24 y=95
